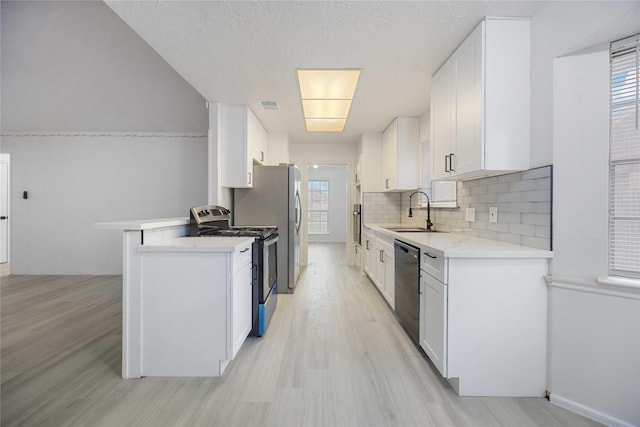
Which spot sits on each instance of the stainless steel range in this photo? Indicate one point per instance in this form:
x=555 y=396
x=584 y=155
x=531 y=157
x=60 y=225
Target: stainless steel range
x=212 y=221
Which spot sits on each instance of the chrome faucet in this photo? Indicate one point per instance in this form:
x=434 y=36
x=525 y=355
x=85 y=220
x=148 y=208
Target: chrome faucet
x=429 y=223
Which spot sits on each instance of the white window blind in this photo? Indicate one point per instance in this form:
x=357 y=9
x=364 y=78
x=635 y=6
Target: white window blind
x=442 y=194
x=318 y=211
x=624 y=159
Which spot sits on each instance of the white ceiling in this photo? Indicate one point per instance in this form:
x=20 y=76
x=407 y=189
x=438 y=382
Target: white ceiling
x=244 y=52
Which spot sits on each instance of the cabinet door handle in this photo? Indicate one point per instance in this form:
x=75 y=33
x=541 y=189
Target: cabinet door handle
x=381 y=256
x=244 y=250
x=249 y=178
x=430 y=256
x=451 y=156
x=386 y=183
x=446 y=163
x=262 y=156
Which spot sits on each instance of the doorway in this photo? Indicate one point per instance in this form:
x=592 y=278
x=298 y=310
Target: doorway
x=326 y=205
x=4 y=208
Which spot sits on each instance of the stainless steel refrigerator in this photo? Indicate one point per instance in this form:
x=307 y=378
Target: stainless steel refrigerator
x=275 y=200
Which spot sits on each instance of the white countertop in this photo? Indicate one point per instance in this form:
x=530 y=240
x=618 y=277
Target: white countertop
x=461 y=245
x=198 y=244
x=142 y=224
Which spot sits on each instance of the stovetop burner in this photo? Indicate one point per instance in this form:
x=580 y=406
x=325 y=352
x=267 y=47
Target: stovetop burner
x=263 y=232
x=212 y=220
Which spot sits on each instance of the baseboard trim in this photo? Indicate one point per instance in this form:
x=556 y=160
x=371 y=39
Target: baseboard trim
x=587 y=412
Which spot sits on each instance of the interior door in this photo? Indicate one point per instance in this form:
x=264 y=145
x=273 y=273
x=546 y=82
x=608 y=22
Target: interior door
x=4 y=212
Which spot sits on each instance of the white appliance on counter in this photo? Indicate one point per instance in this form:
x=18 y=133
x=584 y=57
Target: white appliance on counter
x=275 y=200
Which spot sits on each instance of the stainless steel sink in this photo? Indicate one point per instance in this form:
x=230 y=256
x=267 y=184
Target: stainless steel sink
x=410 y=230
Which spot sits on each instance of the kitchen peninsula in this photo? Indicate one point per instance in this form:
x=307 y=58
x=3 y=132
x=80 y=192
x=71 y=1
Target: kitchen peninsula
x=186 y=300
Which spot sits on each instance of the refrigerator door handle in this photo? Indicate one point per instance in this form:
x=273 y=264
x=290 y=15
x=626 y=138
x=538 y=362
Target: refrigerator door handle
x=298 y=213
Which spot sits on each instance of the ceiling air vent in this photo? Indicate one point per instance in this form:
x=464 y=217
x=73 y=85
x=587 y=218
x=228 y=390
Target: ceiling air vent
x=270 y=105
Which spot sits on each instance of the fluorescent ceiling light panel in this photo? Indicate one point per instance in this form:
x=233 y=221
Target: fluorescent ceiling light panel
x=326 y=108
x=328 y=84
x=325 y=125
x=326 y=98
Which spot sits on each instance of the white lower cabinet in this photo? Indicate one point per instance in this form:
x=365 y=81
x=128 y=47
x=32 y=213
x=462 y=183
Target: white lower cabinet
x=379 y=264
x=369 y=254
x=433 y=320
x=241 y=310
x=196 y=310
x=483 y=323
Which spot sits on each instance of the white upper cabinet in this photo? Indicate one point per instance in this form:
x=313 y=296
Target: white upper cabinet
x=258 y=139
x=480 y=101
x=400 y=154
x=369 y=161
x=243 y=142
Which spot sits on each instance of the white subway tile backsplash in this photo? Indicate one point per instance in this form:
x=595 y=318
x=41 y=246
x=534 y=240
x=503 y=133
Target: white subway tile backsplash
x=509 y=197
x=542 y=207
x=498 y=188
x=480 y=189
x=486 y=234
x=542 y=172
x=509 y=238
x=523 y=200
x=478 y=225
x=536 y=219
x=487 y=198
x=535 y=196
x=522 y=186
x=509 y=217
x=542 y=183
x=512 y=177
x=535 y=242
x=543 y=231
x=500 y=226
x=488 y=181
x=522 y=229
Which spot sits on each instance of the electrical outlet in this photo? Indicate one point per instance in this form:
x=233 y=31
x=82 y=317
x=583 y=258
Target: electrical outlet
x=493 y=215
x=471 y=214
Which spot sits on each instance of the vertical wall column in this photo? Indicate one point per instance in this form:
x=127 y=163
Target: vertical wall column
x=214 y=189
x=217 y=194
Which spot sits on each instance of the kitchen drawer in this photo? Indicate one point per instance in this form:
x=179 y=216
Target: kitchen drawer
x=242 y=257
x=432 y=262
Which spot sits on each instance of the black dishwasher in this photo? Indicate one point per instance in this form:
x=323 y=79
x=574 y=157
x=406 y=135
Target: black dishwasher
x=407 y=288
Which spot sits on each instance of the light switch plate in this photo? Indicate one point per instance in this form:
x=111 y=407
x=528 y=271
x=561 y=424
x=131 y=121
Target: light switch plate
x=471 y=214
x=493 y=214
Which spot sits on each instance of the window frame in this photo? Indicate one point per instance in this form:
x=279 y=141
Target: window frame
x=310 y=210
x=623 y=152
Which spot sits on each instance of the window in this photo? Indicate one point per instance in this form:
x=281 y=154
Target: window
x=442 y=194
x=318 y=212
x=624 y=159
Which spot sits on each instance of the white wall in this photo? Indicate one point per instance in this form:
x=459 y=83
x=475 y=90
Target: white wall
x=304 y=154
x=76 y=72
x=594 y=328
x=560 y=28
x=337 y=177
x=75 y=181
x=278 y=150
x=76 y=66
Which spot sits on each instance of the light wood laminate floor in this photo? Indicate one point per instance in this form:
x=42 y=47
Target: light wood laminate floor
x=334 y=355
